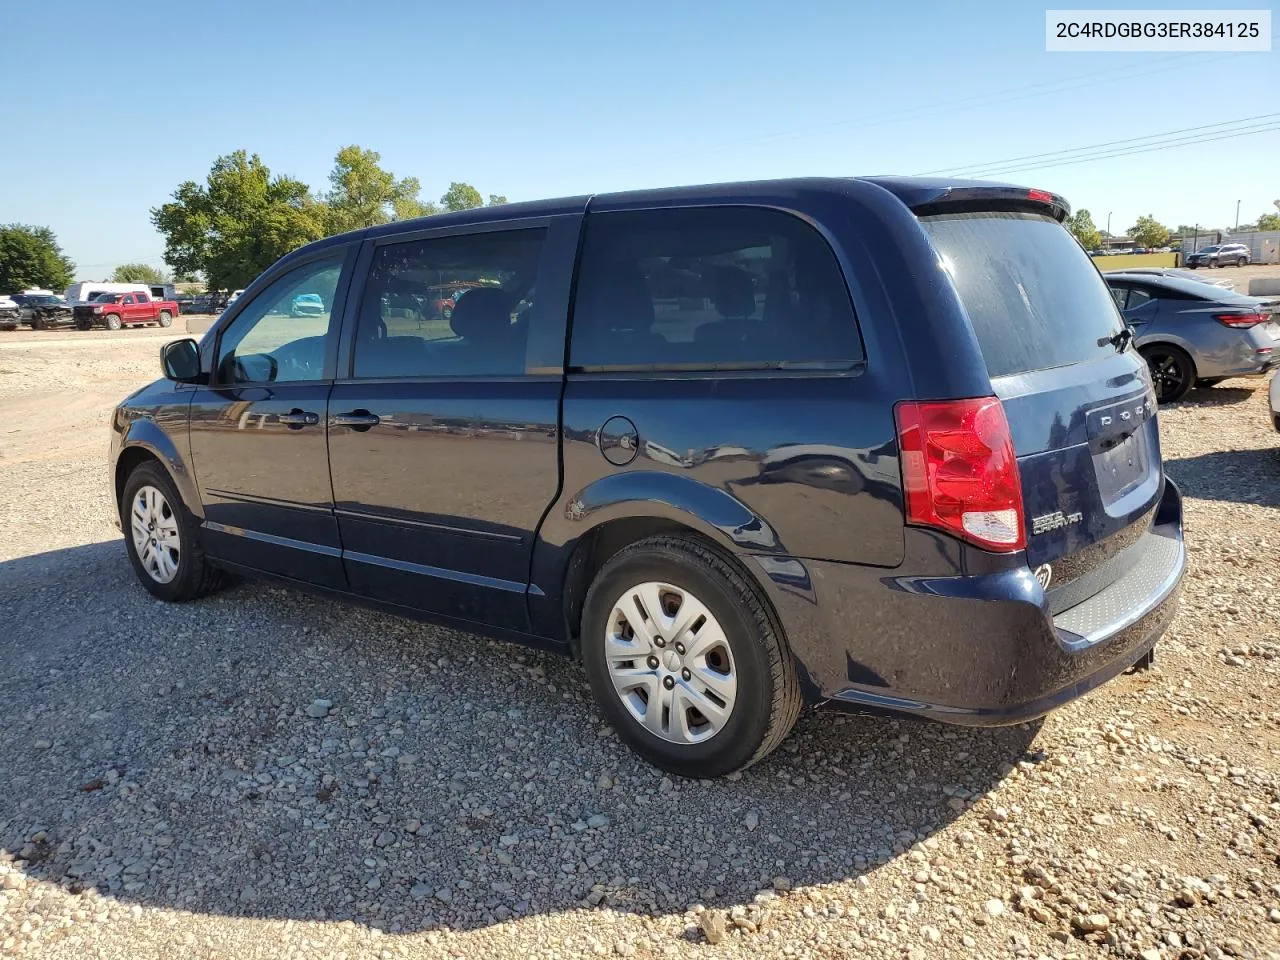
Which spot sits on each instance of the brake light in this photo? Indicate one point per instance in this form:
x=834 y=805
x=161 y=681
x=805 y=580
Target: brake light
x=959 y=471
x=1241 y=320
x=1040 y=196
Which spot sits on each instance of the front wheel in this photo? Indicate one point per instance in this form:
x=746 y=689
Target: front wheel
x=112 y=321
x=684 y=659
x=160 y=537
x=37 y=322
x=166 y=318
x=1241 y=261
x=1172 y=372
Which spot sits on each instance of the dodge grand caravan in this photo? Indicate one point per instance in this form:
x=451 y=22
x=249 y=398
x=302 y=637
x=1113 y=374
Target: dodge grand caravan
x=878 y=444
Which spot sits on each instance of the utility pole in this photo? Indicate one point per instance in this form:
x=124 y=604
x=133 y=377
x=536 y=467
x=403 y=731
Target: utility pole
x=1237 y=216
x=1108 y=223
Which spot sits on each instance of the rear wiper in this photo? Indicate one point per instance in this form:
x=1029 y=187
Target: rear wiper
x=1119 y=340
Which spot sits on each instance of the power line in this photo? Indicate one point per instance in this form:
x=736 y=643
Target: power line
x=1172 y=145
x=1099 y=150
x=1008 y=95
x=1130 y=141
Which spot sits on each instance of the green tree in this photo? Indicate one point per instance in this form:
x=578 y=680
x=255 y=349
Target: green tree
x=461 y=196
x=30 y=257
x=1149 y=232
x=1269 y=221
x=139 y=273
x=1082 y=228
x=365 y=195
x=239 y=222
x=496 y=198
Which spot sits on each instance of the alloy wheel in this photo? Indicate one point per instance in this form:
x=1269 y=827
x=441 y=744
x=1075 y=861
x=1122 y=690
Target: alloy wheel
x=670 y=663
x=155 y=534
x=1167 y=375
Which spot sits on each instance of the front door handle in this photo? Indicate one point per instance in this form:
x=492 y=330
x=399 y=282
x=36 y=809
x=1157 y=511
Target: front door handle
x=356 y=420
x=299 y=418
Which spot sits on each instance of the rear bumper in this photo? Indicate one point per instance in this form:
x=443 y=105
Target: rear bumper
x=979 y=650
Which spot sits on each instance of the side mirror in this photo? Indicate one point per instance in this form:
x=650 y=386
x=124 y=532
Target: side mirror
x=180 y=361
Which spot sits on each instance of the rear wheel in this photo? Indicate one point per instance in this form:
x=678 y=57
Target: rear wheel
x=166 y=318
x=160 y=537
x=1172 y=372
x=1241 y=261
x=112 y=321
x=684 y=659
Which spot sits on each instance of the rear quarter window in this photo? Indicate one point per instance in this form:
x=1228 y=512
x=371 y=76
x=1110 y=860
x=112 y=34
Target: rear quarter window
x=1033 y=296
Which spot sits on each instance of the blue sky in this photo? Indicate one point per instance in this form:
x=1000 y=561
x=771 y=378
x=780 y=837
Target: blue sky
x=107 y=109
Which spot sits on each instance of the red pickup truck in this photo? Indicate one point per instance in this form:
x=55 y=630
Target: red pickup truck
x=116 y=310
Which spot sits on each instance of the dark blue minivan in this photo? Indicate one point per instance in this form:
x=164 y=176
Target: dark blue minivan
x=878 y=443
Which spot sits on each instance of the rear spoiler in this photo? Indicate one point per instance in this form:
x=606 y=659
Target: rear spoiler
x=976 y=199
x=931 y=195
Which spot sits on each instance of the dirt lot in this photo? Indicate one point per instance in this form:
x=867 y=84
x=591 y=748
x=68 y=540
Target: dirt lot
x=177 y=790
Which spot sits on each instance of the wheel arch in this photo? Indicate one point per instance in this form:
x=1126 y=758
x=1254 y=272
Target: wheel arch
x=145 y=442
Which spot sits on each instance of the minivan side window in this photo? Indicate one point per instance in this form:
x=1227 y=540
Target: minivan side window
x=270 y=341
x=455 y=306
x=710 y=288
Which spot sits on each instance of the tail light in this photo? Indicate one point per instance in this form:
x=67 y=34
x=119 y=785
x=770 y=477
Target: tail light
x=1241 y=321
x=959 y=471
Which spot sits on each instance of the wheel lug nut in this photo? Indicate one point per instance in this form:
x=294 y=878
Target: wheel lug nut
x=668 y=682
x=659 y=641
x=653 y=663
x=680 y=649
x=686 y=674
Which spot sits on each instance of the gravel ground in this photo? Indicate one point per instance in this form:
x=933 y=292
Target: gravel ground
x=267 y=774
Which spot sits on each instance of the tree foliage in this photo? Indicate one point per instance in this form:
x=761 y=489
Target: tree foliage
x=1149 y=232
x=30 y=257
x=365 y=195
x=238 y=223
x=242 y=219
x=1083 y=229
x=461 y=196
x=139 y=273
x=1269 y=221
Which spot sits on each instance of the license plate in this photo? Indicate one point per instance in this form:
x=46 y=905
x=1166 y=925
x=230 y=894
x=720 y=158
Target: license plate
x=1123 y=466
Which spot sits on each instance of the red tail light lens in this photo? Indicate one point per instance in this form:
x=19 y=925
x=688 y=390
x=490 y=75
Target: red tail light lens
x=1040 y=196
x=960 y=473
x=1241 y=321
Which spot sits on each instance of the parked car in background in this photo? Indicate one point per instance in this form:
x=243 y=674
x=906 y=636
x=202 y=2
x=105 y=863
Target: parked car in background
x=116 y=310
x=307 y=305
x=87 y=291
x=1219 y=255
x=727 y=489
x=8 y=314
x=43 y=310
x=1212 y=281
x=1192 y=334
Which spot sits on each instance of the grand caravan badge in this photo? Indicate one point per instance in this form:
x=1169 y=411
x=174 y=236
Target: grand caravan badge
x=1054 y=521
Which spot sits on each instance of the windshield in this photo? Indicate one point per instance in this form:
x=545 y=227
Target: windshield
x=1208 y=249
x=1033 y=296
x=107 y=297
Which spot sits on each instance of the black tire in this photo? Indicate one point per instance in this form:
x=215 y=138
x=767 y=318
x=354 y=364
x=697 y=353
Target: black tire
x=112 y=320
x=83 y=325
x=1172 y=372
x=1208 y=382
x=1241 y=261
x=166 y=318
x=768 y=699
x=1193 y=266
x=37 y=322
x=195 y=577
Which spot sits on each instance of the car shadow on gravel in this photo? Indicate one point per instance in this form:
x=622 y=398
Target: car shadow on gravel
x=1234 y=476
x=1225 y=396
x=262 y=753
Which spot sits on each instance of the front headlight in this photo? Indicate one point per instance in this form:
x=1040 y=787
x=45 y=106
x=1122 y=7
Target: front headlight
x=97 y=309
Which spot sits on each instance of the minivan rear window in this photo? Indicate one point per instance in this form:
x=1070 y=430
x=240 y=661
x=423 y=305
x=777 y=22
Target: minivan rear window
x=1033 y=296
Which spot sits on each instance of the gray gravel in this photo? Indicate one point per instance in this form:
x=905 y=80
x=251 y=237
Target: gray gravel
x=264 y=773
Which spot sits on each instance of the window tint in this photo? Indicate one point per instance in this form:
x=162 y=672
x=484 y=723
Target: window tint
x=449 y=306
x=269 y=341
x=710 y=288
x=1033 y=296
x=1137 y=297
